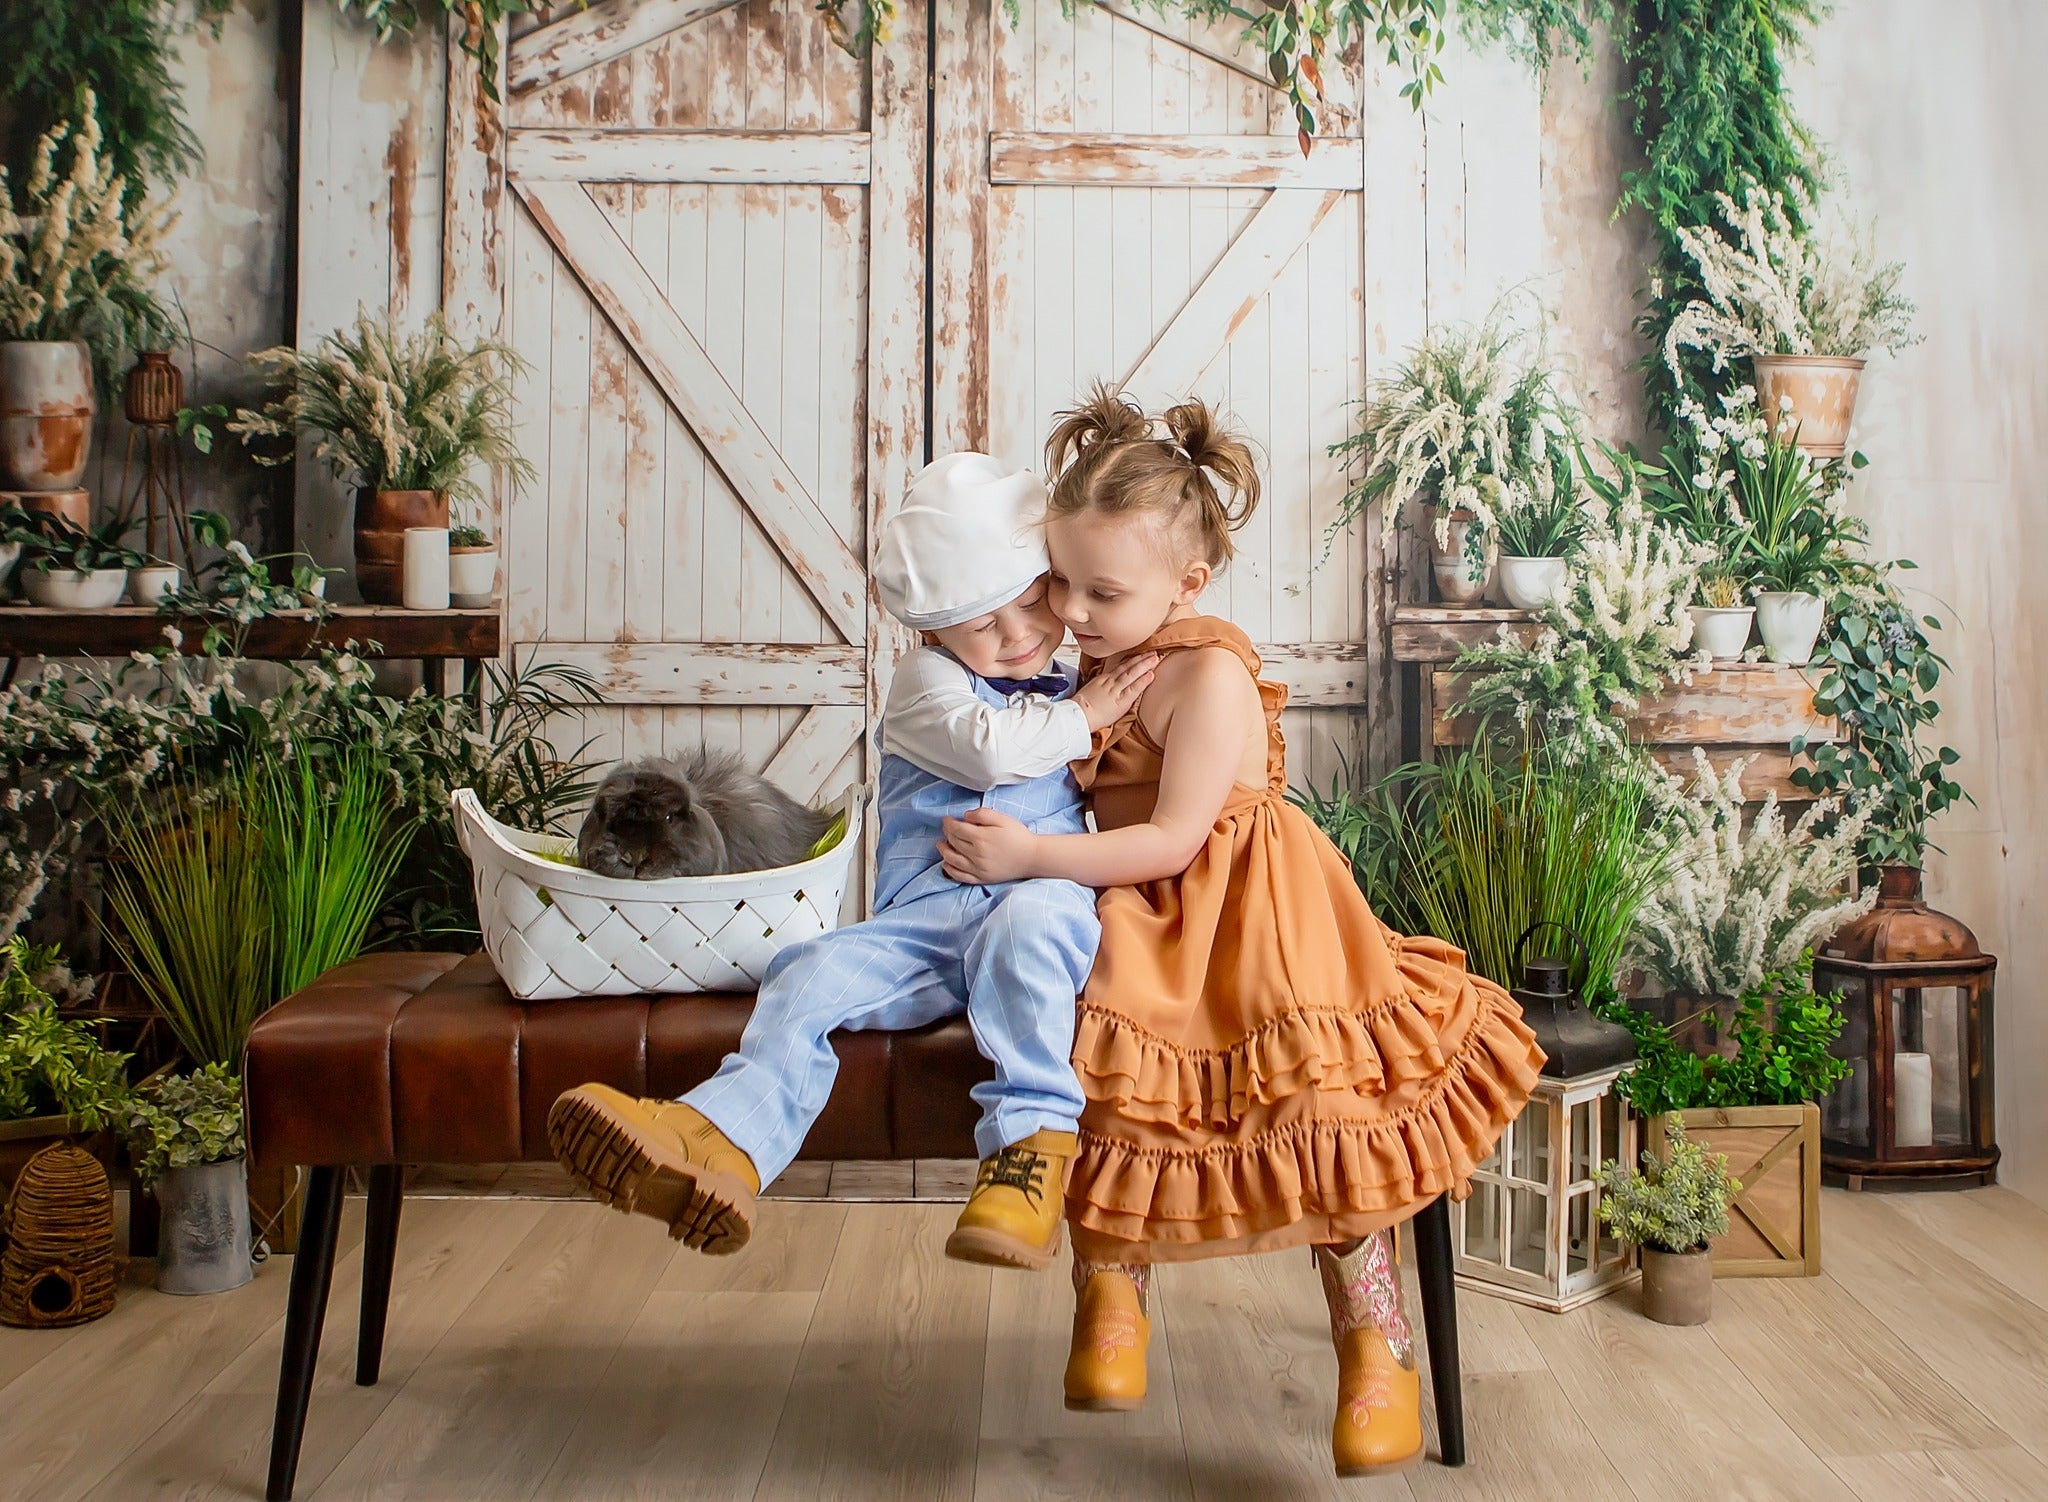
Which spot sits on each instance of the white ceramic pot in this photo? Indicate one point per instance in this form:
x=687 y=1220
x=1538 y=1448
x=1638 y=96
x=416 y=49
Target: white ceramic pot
x=424 y=585
x=151 y=582
x=68 y=589
x=472 y=576
x=1790 y=622
x=1531 y=583
x=1818 y=390
x=1721 y=631
x=1452 y=569
x=10 y=554
x=46 y=407
x=203 y=1245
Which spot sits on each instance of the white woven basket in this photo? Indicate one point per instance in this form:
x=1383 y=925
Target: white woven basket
x=554 y=930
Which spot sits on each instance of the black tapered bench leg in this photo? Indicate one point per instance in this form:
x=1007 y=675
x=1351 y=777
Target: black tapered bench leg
x=1434 y=1273
x=380 y=1248
x=312 y=1274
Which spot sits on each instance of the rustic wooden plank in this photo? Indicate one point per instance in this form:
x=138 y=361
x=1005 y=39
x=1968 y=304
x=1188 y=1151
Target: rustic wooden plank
x=723 y=673
x=475 y=251
x=584 y=39
x=1434 y=633
x=1234 y=288
x=1216 y=43
x=1038 y=158
x=30 y=631
x=1732 y=705
x=960 y=230
x=731 y=436
x=689 y=156
x=823 y=735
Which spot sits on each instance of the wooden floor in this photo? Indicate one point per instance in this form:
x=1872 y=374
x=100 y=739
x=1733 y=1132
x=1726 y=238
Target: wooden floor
x=546 y=1349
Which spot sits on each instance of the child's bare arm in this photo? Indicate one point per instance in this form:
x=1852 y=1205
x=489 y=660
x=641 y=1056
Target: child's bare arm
x=1205 y=704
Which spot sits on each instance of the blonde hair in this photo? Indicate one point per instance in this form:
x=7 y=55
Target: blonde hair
x=1107 y=458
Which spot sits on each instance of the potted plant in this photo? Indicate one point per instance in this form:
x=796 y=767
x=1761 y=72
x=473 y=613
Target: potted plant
x=1804 y=309
x=1793 y=547
x=1720 y=621
x=1474 y=426
x=56 y=1080
x=1673 y=1209
x=77 y=254
x=152 y=579
x=1534 y=542
x=184 y=1136
x=472 y=567
x=405 y=419
x=65 y=568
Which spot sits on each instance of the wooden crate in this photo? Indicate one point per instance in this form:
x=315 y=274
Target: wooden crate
x=1774 y=1224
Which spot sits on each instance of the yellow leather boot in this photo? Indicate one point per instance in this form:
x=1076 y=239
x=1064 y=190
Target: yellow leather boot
x=1378 y=1429
x=1013 y=1217
x=1106 y=1363
x=657 y=1158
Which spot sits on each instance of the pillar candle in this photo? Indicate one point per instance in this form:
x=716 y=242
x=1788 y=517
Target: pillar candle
x=1912 y=1100
x=425 y=585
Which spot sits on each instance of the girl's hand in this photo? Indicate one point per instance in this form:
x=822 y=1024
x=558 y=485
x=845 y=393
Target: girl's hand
x=1107 y=696
x=986 y=849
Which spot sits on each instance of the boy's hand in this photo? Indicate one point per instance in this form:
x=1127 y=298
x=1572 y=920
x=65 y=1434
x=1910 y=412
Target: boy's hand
x=986 y=849
x=1108 y=696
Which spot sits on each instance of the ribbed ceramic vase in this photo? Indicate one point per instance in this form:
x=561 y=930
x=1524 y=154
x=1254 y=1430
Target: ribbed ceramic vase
x=382 y=519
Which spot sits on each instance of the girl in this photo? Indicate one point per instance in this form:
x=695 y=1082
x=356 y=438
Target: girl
x=1265 y=1064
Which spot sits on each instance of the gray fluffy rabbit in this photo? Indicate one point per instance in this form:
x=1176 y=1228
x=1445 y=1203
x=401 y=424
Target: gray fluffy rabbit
x=699 y=815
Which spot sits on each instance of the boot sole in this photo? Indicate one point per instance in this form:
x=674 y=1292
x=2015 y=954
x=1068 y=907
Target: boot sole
x=1385 y=1468
x=1104 y=1405
x=988 y=1248
x=709 y=1211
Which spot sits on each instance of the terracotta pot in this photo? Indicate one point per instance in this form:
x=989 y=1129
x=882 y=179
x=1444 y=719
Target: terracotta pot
x=382 y=517
x=46 y=408
x=1449 y=566
x=1678 y=1287
x=1722 y=631
x=68 y=589
x=1822 y=393
x=1531 y=583
x=1790 y=622
x=74 y=506
x=155 y=390
x=472 y=576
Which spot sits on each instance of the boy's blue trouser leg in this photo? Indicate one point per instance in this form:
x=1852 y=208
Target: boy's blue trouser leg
x=1026 y=964
x=898 y=970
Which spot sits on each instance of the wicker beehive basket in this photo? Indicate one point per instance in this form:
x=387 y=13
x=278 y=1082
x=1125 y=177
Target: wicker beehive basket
x=58 y=1268
x=556 y=930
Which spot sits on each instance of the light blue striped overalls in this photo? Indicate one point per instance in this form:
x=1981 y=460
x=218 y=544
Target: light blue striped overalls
x=1012 y=957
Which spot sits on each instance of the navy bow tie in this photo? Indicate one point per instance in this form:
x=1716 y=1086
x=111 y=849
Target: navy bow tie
x=1044 y=683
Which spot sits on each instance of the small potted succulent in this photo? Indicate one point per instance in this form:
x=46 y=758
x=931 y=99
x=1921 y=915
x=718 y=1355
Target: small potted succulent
x=1672 y=1208
x=1720 y=619
x=185 y=1135
x=472 y=566
x=67 y=568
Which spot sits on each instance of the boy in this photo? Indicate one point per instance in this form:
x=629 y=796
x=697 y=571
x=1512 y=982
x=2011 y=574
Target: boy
x=979 y=716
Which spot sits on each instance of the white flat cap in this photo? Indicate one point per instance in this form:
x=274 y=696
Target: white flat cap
x=967 y=539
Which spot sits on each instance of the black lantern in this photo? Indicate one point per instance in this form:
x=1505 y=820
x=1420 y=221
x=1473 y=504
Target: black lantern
x=1916 y=991
x=1575 y=1041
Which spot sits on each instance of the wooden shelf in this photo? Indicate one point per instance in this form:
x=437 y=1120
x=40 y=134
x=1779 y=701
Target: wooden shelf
x=1438 y=633
x=471 y=635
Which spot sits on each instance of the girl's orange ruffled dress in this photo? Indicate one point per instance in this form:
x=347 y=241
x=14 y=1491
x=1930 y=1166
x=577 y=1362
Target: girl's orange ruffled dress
x=1266 y=1064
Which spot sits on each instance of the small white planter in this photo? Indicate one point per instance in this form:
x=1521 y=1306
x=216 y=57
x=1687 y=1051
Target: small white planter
x=150 y=583
x=68 y=589
x=1531 y=583
x=1721 y=631
x=472 y=576
x=1790 y=622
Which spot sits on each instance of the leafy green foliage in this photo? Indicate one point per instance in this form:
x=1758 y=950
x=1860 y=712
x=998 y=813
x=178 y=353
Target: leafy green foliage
x=50 y=1065
x=1548 y=527
x=235 y=588
x=184 y=1121
x=1476 y=848
x=1677 y=1203
x=50 y=542
x=1791 y=538
x=1782 y=1032
x=1881 y=675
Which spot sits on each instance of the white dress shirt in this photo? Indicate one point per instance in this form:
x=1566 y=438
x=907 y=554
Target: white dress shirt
x=937 y=722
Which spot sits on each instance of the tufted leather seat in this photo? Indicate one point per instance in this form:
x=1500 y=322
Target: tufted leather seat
x=424 y=1058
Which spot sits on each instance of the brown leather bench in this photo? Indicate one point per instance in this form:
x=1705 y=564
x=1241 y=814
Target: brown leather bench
x=401 y=1059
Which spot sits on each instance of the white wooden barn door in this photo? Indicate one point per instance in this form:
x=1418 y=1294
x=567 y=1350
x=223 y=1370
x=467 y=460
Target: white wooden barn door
x=712 y=262
x=1120 y=196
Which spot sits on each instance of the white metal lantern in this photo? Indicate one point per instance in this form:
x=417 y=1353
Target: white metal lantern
x=1530 y=1230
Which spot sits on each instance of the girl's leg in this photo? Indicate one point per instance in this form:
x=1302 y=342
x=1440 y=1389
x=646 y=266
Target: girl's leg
x=1379 y=1394
x=1106 y=1363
